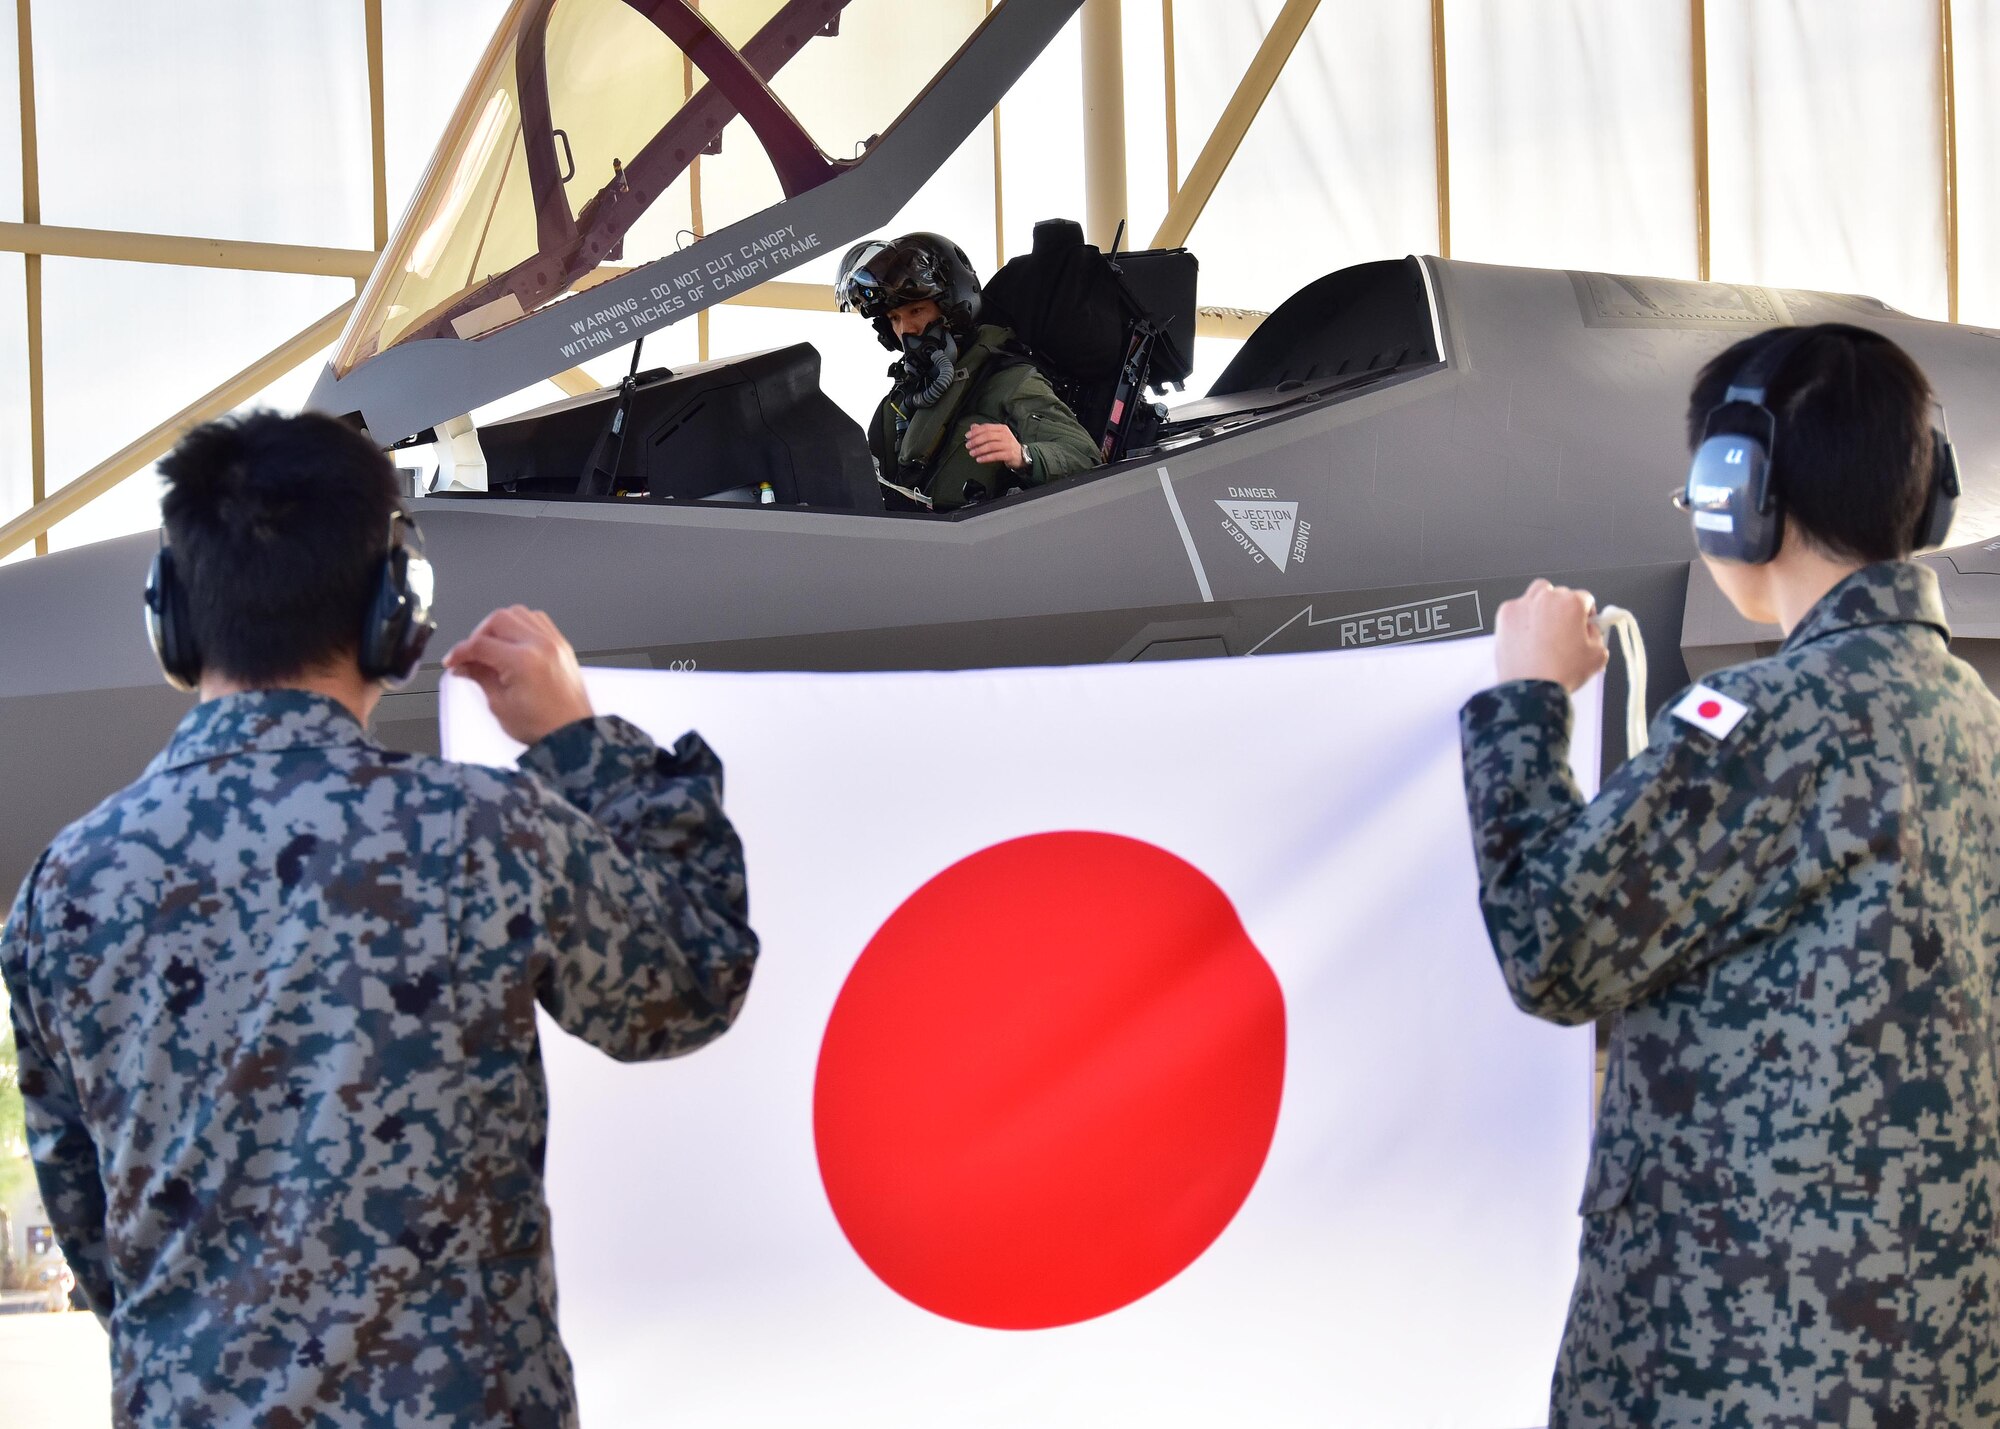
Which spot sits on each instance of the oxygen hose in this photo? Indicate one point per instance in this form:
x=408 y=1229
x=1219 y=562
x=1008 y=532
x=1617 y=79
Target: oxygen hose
x=924 y=391
x=1616 y=621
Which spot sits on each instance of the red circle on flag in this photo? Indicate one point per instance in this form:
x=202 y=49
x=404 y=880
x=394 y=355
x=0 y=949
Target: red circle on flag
x=1708 y=709
x=1049 y=1081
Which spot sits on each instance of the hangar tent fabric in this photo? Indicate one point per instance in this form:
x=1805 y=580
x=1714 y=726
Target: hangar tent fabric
x=1126 y=1048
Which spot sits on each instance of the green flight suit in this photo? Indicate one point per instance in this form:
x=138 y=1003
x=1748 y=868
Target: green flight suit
x=924 y=448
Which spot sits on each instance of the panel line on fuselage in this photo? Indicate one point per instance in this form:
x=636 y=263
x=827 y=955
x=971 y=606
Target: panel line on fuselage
x=1187 y=536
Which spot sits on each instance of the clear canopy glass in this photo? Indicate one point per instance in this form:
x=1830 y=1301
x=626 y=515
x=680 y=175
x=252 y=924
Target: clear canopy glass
x=586 y=114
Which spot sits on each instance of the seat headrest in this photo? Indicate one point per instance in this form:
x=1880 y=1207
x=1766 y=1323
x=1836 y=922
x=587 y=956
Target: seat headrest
x=1054 y=234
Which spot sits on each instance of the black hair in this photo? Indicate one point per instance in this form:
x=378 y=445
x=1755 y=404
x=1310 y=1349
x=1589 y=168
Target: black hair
x=1852 y=454
x=279 y=525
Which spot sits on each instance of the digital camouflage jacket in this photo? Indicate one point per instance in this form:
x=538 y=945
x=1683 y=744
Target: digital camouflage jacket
x=276 y=1012
x=1789 y=1218
x=925 y=449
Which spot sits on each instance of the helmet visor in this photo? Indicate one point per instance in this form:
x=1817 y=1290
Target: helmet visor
x=857 y=284
x=888 y=276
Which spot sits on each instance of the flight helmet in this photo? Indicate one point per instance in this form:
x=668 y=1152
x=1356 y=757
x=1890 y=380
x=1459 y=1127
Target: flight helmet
x=877 y=277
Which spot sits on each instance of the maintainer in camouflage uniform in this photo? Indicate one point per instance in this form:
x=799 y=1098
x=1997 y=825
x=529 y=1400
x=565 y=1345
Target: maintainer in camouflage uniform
x=276 y=1013
x=276 y=1006
x=1788 y=905
x=1789 y=1216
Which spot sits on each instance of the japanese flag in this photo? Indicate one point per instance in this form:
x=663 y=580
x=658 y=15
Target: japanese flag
x=1125 y=1049
x=1710 y=710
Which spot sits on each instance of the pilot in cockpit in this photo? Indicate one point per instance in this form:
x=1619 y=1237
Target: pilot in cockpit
x=970 y=415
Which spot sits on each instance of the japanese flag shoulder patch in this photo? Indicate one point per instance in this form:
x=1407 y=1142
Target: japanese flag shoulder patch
x=1710 y=711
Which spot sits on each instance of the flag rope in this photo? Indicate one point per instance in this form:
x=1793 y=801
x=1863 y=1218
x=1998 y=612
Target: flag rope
x=1616 y=621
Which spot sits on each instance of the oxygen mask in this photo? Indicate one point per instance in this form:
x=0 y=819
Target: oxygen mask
x=930 y=362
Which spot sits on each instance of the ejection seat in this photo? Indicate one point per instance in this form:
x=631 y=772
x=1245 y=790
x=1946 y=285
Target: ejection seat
x=1101 y=327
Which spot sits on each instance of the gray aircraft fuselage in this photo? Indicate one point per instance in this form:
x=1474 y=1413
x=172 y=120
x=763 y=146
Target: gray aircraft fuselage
x=1547 y=441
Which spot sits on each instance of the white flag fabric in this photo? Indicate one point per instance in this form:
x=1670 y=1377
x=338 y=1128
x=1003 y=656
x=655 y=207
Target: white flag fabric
x=1125 y=1049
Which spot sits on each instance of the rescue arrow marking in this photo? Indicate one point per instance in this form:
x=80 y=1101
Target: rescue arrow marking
x=1425 y=621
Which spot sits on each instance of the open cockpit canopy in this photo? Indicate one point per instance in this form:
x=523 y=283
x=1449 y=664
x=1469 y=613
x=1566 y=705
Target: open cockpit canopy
x=572 y=160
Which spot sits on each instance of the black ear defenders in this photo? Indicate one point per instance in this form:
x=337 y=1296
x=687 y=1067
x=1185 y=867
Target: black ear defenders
x=399 y=621
x=398 y=626
x=1737 y=515
x=1737 y=512
x=168 y=626
x=1935 y=524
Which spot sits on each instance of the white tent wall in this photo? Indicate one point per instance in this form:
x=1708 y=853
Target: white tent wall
x=226 y=118
x=1571 y=144
x=429 y=48
x=221 y=118
x=1826 y=147
x=1041 y=147
x=1043 y=115
x=1149 y=184
x=1976 y=61
x=1337 y=168
x=127 y=345
x=1572 y=128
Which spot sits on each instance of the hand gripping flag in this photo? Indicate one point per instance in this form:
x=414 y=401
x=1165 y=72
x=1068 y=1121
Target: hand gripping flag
x=1125 y=1049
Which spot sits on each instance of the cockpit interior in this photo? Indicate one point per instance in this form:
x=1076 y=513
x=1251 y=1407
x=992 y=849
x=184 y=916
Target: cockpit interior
x=1111 y=332
x=601 y=137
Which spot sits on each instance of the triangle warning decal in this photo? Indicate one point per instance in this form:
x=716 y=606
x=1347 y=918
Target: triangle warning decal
x=1268 y=525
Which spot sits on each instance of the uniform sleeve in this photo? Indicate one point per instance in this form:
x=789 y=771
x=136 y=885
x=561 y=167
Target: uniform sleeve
x=633 y=882
x=1692 y=849
x=1056 y=442
x=60 y=1143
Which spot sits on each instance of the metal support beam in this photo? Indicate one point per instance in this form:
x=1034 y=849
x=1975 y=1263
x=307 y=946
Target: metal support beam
x=1441 y=126
x=1236 y=323
x=1235 y=122
x=378 y=131
x=31 y=210
x=696 y=219
x=999 y=197
x=1104 y=193
x=1698 y=60
x=1173 y=100
x=34 y=237
x=1950 y=121
x=35 y=522
x=999 y=189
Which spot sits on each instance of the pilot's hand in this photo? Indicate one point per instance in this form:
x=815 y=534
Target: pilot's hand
x=1546 y=633
x=527 y=670
x=994 y=441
